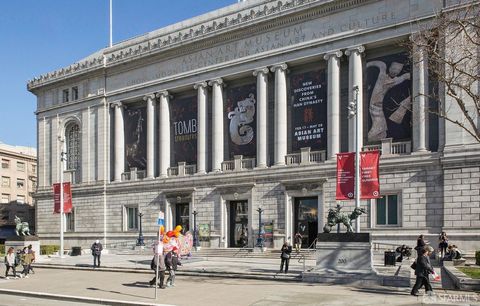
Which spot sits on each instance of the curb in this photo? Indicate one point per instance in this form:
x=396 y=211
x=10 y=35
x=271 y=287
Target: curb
x=72 y=298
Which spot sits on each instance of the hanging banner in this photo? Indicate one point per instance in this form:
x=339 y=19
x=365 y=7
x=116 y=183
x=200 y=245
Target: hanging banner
x=345 y=176
x=184 y=129
x=242 y=120
x=67 y=198
x=308 y=102
x=389 y=98
x=370 y=184
x=135 y=118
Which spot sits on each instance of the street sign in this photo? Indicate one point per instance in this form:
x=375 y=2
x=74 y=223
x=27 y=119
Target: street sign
x=161 y=219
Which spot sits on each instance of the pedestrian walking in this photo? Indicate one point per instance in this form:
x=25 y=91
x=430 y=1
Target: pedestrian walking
x=423 y=269
x=96 y=253
x=443 y=244
x=298 y=241
x=285 y=256
x=421 y=243
x=161 y=269
x=26 y=260
x=31 y=251
x=10 y=262
x=172 y=261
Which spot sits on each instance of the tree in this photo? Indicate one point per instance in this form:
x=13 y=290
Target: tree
x=451 y=45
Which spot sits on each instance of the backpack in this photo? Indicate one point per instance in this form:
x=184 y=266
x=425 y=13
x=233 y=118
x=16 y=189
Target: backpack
x=18 y=259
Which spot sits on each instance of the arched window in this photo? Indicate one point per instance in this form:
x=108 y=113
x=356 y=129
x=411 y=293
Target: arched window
x=72 y=139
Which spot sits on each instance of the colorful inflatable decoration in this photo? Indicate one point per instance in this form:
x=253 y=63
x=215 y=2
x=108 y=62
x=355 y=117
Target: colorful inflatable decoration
x=174 y=240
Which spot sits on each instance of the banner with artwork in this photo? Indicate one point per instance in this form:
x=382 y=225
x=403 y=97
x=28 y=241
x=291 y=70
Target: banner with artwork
x=184 y=130
x=370 y=183
x=389 y=98
x=135 y=120
x=308 y=103
x=67 y=198
x=345 y=176
x=240 y=108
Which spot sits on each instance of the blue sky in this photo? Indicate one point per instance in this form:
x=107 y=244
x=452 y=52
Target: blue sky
x=39 y=36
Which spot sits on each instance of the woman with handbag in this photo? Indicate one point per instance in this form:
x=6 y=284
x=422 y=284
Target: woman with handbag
x=285 y=256
x=423 y=269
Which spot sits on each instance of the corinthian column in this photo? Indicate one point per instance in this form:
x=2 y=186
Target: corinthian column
x=355 y=79
x=333 y=104
x=419 y=92
x=164 y=139
x=201 y=126
x=119 y=141
x=150 y=135
x=280 y=142
x=262 y=128
x=217 y=124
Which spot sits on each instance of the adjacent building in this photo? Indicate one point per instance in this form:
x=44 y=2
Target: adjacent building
x=19 y=182
x=242 y=111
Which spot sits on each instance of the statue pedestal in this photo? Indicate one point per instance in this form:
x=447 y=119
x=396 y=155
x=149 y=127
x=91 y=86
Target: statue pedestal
x=19 y=242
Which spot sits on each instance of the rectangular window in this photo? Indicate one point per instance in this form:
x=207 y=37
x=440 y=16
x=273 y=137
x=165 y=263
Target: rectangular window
x=21 y=166
x=65 y=95
x=5 y=181
x=5 y=198
x=20 y=183
x=74 y=93
x=34 y=169
x=387 y=210
x=70 y=221
x=131 y=214
x=21 y=199
x=5 y=164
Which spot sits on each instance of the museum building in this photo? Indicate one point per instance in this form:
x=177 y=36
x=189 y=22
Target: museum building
x=241 y=112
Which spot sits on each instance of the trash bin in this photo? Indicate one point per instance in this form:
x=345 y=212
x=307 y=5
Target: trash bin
x=76 y=251
x=390 y=258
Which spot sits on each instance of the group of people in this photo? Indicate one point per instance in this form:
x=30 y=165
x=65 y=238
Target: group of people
x=24 y=257
x=167 y=262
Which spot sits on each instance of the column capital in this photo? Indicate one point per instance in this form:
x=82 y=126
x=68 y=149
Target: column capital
x=218 y=81
x=329 y=55
x=117 y=104
x=282 y=67
x=259 y=71
x=149 y=97
x=162 y=94
x=356 y=49
x=200 y=84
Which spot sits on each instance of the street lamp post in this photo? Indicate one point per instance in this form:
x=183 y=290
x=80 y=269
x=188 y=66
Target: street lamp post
x=195 y=234
x=260 y=239
x=140 y=241
x=353 y=112
x=63 y=158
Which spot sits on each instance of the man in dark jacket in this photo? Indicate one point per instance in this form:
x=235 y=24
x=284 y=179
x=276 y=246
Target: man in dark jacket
x=161 y=269
x=422 y=270
x=285 y=256
x=171 y=263
x=96 y=252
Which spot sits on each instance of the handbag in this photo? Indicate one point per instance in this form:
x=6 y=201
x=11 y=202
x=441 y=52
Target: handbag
x=414 y=265
x=285 y=255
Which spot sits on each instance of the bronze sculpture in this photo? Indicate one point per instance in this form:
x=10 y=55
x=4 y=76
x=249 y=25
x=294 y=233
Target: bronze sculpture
x=336 y=217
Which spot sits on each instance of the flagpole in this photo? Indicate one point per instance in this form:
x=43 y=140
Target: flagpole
x=357 y=160
x=62 y=159
x=111 y=27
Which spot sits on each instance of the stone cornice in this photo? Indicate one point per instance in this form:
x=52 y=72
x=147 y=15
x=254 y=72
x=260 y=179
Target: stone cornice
x=245 y=16
x=149 y=97
x=337 y=53
x=260 y=71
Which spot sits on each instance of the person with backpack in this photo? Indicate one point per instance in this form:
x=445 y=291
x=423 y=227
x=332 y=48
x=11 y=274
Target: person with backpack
x=96 y=253
x=10 y=262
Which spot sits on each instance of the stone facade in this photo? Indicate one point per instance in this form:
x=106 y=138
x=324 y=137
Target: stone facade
x=432 y=178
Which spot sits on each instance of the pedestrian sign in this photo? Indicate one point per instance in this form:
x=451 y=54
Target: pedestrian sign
x=161 y=219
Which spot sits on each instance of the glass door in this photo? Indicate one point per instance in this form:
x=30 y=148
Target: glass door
x=238 y=226
x=306 y=219
x=182 y=216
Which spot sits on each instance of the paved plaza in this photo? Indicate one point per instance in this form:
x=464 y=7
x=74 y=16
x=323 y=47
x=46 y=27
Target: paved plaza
x=124 y=281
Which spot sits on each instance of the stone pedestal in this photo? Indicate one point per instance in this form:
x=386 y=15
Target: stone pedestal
x=19 y=242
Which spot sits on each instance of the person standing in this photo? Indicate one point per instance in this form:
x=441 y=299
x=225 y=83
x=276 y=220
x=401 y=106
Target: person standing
x=31 y=251
x=26 y=260
x=443 y=244
x=298 y=241
x=420 y=244
x=285 y=256
x=97 y=253
x=422 y=269
x=10 y=262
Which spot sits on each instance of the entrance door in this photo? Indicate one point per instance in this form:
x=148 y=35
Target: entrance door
x=182 y=216
x=306 y=219
x=238 y=226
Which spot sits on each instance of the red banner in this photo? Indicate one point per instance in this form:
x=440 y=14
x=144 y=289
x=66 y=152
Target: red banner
x=67 y=198
x=345 y=176
x=370 y=184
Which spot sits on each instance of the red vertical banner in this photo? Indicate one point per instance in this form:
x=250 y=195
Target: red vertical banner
x=345 y=176
x=67 y=198
x=370 y=184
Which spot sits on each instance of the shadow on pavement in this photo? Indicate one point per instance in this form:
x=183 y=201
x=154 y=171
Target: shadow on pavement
x=116 y=292
x=381 y=291
x=138 y=285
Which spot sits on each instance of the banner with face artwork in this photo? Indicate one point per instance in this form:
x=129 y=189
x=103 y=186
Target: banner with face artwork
x=308 y=100
x=240 y=109
x=389 y=98
x=135 y=118
x=184 y=130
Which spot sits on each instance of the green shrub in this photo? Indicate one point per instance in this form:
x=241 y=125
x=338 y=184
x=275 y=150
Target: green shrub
x=49 y=249
x=2 y=250
x=477 y=258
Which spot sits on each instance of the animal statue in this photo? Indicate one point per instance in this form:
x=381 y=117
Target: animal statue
x=21 y=228
x=240 y=132
x=336 y=217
